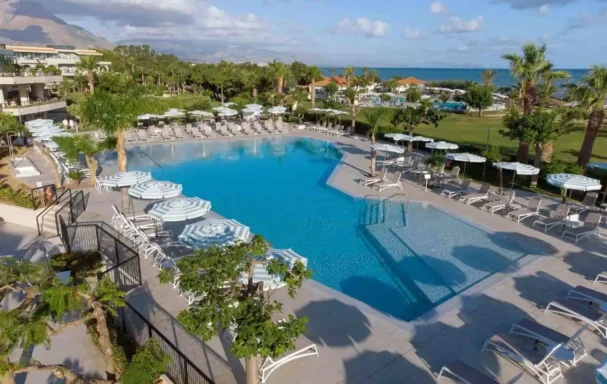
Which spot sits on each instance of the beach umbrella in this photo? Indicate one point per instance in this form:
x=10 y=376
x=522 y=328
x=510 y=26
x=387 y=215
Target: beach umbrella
x=254 y=106
x=180 y=209
x=317 y=111
x=567 y=181
x=147 y=116
x=214 y=233
x=152 y=189
x=201 y=113
x=173 y=113
x=228 y=112
x=277 y=110
x=260 y=271
x=219 y=109
x=443 y=145
x=466 y=158
x=397 y=136
x=518 y=168
x=229 y=103
x=126 y=179
x=389 y=148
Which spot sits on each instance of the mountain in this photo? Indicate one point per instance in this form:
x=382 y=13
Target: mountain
x=212 y=52
x=30 y=23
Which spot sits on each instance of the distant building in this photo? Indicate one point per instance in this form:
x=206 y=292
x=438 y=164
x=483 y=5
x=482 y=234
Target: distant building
x=64 y=57
x=320 y=85
x=405 y=84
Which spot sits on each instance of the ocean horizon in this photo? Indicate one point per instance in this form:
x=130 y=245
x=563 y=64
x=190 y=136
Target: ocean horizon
x=502 y=78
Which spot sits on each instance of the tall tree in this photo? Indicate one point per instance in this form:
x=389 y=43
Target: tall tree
x=479 y=97
x=89 y=64
x=539 y=128
x=351 y=94
x=73 y=146
x=314 y=73
x=528 y=69
x=349 y=74
x=113 y=114
x=413 y=95
x=373 y=117
x=281 y=71
x=488 y=76
x=547 y=88
x=333 y=72
x=411 y=117
x=592 y=95
x=234 y=302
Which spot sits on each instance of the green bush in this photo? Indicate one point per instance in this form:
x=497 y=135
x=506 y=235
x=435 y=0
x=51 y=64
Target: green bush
x=81 y=264
x=17 y=197
x=76 y=175
x=147 y=365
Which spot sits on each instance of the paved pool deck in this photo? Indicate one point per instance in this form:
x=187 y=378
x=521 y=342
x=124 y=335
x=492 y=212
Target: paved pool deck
x=358 y=344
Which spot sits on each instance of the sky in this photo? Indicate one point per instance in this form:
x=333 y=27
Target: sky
x=384 y=33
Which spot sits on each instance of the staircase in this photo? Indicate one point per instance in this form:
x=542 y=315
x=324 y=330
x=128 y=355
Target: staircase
x=48 y=224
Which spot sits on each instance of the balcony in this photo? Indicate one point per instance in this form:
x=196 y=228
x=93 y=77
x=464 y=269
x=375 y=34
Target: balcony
x=17 y=78
x=33 y=107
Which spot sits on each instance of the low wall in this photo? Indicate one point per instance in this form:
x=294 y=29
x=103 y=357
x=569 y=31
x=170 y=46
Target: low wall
x=18 y=215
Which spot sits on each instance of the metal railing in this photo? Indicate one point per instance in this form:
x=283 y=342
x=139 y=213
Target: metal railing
x=50 y=205
x=72 y=209
x=181 y=369
x=380 y=202
x=39 y=194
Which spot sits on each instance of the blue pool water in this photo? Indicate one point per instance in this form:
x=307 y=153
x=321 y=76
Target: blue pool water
x=451 y=106
x=401 y=262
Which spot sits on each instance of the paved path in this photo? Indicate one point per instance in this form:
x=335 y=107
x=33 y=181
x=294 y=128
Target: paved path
x=358 y=344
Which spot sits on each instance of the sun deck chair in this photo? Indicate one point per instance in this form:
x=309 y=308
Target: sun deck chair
x=376 y=179
x=246 y=127
x=258 y=128
x=392 y=183
x=130 y=137
x=590 y=227
x=462 y=188
x=481 y=194
x=166 y=134
x=223 y=131
x=601 y=278
x=234 y=130
x=558 y=217
x=533 y=209
x=588 y=295
x=401 y=162
x=500 y=202
x=208 y=132
x=196 y=133
x=463 y=373
x=269 y=365
x=447 y=177
x=590 y=315
x=414 y=166
x=281 y=127
x=152 y=133
x=178 y=133
x=548 y=337
x=142 y=136
x=589 y=202
x=538 y=360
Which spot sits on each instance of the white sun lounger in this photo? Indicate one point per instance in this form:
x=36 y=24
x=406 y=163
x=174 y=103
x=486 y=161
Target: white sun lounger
x=179 y=134
x=559 y=217
x=208 y=131
x=548 y=337
x=269 y=365
x=584 y=313
x=533 y=209
x=500 y=203
x=393 y=183
x=463 y=373
x=538 y=360
x=166 y=133
x=463 y=188
x=374 y=180
x=447 y=177
x=588 y=295
x=590 y=227
x=482 y=194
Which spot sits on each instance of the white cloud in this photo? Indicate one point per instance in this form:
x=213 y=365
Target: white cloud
x=458 y=25
x=438 y=8
x=586 y=20
x=364 y=26
x=412 y=34
x=545 y=9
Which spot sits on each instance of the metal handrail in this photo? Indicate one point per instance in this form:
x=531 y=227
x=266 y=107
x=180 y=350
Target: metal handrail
x=384 y=199
x=54 y=202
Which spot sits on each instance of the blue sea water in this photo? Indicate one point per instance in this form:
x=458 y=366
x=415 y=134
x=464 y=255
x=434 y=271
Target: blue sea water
x=502 y=79
x=401 y=259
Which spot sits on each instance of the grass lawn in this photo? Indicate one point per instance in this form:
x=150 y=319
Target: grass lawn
x=473 y=131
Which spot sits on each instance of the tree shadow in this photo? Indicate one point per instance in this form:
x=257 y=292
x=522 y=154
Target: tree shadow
x=481 y=259
x=395 y=368
x=522 y=243
x=541 y=288
x=334 y=323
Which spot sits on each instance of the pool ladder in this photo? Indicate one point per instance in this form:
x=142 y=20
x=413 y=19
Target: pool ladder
x=383 y=209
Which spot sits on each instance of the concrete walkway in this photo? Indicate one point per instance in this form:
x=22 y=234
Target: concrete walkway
x=358 y=344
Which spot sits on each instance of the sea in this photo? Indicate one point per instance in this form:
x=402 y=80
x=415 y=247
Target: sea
x=502 y=79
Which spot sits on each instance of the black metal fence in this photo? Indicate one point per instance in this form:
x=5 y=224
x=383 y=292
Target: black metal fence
x=42 y=196
x=123 y=265
x=71 y=209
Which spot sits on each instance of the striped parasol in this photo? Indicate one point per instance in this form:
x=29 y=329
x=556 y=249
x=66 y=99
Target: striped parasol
x=441 y=145
x=466 y=158
x=214 y=233
x=126 y=179
x=180 y=209
x=260 y=272
x=152 y=189
x=518 y=168
x=380 y=147
x=573 y=182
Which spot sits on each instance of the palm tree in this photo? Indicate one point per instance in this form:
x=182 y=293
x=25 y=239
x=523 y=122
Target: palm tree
x=373 y=76
x=349 y=74
x=313 y=73
x=113 y=114
x=88 y=64
x=281 y=71
x=548 y=87
x=592 y=95
x=528 y=69
x=351 y=95
x=488 y=75
x=373 y=117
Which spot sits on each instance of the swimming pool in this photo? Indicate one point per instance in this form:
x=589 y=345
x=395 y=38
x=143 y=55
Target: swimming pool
x=400 y=260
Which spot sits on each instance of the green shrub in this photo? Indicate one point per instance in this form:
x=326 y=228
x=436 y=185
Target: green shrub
x=76 y=175
x=17 y=197
x=81 y=264
x=147 y=365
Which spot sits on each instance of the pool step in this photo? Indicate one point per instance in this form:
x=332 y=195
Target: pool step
x=405 y=266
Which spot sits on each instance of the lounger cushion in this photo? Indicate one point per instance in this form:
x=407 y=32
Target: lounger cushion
x=534 y=353
x=580 y=308
x=469 y=374
x=599 y=296
x=543 y=331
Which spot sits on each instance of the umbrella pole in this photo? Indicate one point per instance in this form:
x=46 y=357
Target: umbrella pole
x=564 y=196
x=513 y=176
x=465 y=169
x=501 y=170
